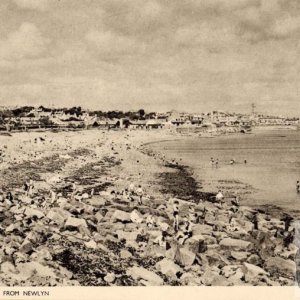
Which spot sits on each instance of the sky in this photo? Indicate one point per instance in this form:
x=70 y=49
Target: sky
x=187 y=55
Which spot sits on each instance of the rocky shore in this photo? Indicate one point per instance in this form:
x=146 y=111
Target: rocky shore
x=80 y=226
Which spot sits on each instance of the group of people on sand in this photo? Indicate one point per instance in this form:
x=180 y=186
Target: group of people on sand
x=129 y=193
x=8 y=198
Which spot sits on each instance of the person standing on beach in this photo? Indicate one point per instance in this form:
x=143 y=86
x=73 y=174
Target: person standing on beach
x=186 y=233
x=219 y=196
x=30 y=188
x=192 y=215
x=131 y=189
x=139 y=192
x=255 y=220
x=217 y=163
x=176 y=215
x=53 y=196
x=287 y=219
x=25 y=187
x=298 y=186
x=212 y=161
x=236 y=200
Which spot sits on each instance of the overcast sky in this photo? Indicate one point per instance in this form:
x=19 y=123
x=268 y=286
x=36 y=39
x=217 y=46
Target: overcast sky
x=189 y=55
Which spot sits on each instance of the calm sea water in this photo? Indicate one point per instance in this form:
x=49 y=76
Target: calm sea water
x=268 y=177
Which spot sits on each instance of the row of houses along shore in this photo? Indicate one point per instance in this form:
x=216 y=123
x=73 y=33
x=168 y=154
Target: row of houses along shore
x=25 y=118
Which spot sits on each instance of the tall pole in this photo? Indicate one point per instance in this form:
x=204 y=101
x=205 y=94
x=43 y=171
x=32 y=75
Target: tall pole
x=253 y=108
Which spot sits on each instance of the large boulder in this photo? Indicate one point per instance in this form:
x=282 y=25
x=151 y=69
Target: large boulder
x=58 y=215
x=196 y=244
x=235 y=244
x=281 y=266
x=26 y=247
x=211 y=277
x=136 y=217
x=126 y=235
x=98 y=216
x=230 y=270
x=202 y=229
x=140 y=273
x=97 y=201
x=7 y=267
x=121 y=216
x=215 y=258
x=32 y=212
x=29 y=269
x=239 y=255
x=91 y=244
x=75 y=223
x=42 y=254
x=190 y=279
x=184 y=257
x=252 y=272
x=254 y=259
x=169 y=268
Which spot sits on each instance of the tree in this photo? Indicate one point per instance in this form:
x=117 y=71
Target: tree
x=141 y=113
x=45 y=121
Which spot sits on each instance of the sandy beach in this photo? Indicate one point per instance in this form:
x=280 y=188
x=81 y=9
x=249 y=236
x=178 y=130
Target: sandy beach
x=79 y=227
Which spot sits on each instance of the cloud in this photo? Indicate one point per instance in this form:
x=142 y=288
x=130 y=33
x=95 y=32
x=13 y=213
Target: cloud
x=270 y=20
x=26 y=42
x=154 y=53
x=40 y=5
x=111 y=44
x=285 y=26
x=207 y=35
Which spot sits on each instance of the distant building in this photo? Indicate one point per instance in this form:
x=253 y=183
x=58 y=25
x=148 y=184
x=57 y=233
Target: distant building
x=271 y=120
x=155 y=123
x=138 y=124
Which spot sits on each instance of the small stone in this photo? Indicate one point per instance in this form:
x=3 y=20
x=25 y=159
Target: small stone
x=124 y=254
x=110 y=278
x=91 y=244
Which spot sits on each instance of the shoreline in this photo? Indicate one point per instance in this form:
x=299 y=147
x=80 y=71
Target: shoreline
x=274 y=209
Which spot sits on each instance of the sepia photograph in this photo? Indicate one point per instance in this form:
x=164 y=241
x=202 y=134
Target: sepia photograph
x=150 y=143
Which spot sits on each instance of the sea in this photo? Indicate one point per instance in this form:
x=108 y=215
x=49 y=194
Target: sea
x=265 y=172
